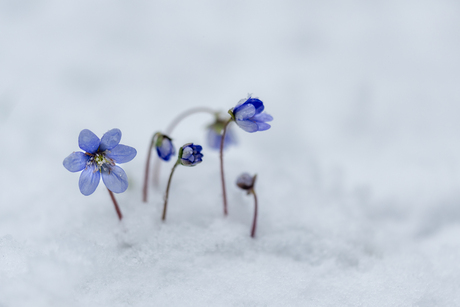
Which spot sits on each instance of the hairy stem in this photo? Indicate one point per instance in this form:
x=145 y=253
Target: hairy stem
x=254 y=222
x=169 y=130
x=167 y=191
x=224 y=192
x=120 y=216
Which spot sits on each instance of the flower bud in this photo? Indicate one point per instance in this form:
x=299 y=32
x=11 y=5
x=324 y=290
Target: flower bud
x=164 y=146
x=190 y=155
x=246 y=181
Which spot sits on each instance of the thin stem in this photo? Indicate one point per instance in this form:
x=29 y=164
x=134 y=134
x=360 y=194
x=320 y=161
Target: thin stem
x=224 y=192
x=167 y=190
x=120 y=216
x=169 y=130
x=156 y=171
x=184 y=114
x=254 y=222
x=146 y=175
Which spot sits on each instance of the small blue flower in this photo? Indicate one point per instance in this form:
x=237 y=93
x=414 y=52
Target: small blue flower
x=99 y=159
x=165 y=147
x=249 y=117
x=191 y=154
x=214 y=136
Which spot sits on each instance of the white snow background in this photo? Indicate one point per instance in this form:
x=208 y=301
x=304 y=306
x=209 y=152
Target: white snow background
x=358 y=178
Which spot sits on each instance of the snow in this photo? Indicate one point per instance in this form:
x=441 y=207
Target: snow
x=358 y=178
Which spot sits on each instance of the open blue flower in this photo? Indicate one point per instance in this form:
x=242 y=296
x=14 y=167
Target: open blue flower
x=249 y=117
x=214 y=136
x=191 y=154
x=165 y=147
x=99 y=160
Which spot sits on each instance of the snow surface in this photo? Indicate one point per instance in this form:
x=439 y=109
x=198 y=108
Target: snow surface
x=358 y=179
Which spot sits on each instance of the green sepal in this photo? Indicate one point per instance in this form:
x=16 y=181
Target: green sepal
x=179 y=156
x=159 y=138
x=155 y=138
x=231 y=114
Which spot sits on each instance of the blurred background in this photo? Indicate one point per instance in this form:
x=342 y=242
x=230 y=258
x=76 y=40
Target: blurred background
x=365 y=96
x=368 y=88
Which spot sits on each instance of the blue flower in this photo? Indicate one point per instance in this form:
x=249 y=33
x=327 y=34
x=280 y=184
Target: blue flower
x=165 y=147
x=214 y=136
x=99 y=158
x=249 y=117
x=191 y=154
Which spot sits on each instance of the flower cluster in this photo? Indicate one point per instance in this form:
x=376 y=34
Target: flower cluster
x=100 y=157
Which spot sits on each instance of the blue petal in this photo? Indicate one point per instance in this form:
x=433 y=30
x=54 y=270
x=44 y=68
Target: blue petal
x=263 y=126
x=166 y=150
x=257 y=103
x=230 y=137
x=185 y=162
x=110 y=139
x=187 y=152
x=115 y=179
x=89 y=180
x=244 y=109
x=244 y=112
x=121 y=153
x=88 y=141
x=76 y=161
x=197 y=148
x=214 y=139
x=247 y=125
x=263 y=117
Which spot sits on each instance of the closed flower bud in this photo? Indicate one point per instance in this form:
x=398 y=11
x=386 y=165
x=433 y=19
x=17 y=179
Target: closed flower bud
x=164 y=147
x=191 y=155
x=246 y=181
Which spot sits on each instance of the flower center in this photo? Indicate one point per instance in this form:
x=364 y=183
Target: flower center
x=101 y=160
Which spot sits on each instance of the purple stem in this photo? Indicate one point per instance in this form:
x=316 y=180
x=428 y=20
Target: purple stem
x=224 y=192
x=254 y=222
x=120 y=216
x=146 y=175
x=163 y=218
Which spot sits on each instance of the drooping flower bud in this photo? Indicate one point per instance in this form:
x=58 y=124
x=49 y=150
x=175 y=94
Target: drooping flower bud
x=246 y=181
x=164 y=147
